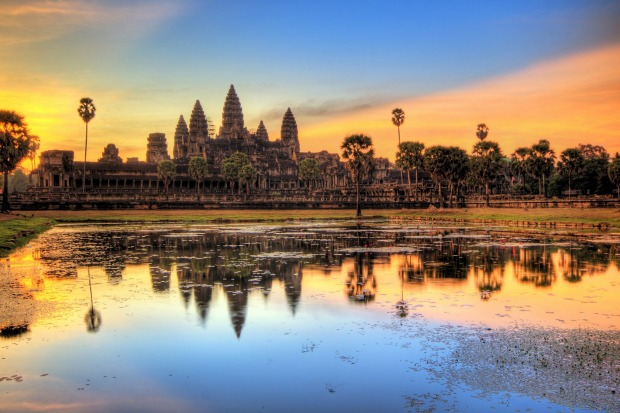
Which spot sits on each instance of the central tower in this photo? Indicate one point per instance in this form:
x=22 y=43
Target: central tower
x=233 y=126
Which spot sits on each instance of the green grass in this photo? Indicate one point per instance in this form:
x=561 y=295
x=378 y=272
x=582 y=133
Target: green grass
x=17 y=232
x=590 y=216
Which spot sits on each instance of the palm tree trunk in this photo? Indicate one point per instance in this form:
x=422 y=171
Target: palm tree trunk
x=358 y=212
x=486 y=188
x=5 y=193
x=417 y=188
x=85 y=149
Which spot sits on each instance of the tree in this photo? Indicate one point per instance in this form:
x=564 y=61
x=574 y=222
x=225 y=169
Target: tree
x=571 y=162
x=15 y=145
x=613 y=171
x=486 y=162
x=593 y=177
x=18 y=181
x=247 y=175
x=231 y=167
x=198 y=170
x=86 y=110
x=359 y=153
x=408 y=157
x=309 y=171
x=33 y=149
x=398 y=118
x=482 y=131
x=449 y=164
x=167 y=172
x=540 y=164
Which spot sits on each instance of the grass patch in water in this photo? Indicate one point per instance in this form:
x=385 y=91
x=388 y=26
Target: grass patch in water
x=16 y=232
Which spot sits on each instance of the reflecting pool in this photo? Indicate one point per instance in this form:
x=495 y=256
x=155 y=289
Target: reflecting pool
x=328 y=316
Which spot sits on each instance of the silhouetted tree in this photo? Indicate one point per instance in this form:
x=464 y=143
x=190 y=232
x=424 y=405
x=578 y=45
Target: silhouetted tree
x=482 y=131
x=408 y=157
x=486 y=162
x=571 y=162
x=449 y=164
x=86 y=110
x=593 y=177
x=540 y=163
x=359 y=153
x=613 y=171
x=398 y=118
x=15 y=145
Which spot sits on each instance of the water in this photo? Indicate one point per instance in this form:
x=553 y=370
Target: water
x=329 y=316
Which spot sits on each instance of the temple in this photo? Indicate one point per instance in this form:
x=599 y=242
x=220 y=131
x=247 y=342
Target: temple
x=276 y=161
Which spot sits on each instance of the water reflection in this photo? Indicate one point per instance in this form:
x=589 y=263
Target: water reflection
x=243 y=260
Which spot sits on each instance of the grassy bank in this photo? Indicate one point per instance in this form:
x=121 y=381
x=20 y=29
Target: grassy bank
x=17 y=231
x=576 y=216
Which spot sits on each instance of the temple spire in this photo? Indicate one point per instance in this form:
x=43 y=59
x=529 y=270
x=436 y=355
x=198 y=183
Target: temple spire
x=233 y=125
x=181 y=139
x=261 y=132
x=198 y=131
x=289 y=134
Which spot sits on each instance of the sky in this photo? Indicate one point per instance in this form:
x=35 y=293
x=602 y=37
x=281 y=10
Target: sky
x=529 y=69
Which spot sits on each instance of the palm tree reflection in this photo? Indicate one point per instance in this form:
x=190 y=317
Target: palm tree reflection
x=92 y=317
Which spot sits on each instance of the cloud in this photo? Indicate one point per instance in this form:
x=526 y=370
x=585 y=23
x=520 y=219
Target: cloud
x=39 y=20
x=569 y=100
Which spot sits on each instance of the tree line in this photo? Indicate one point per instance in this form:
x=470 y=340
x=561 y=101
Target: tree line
x=530 y=170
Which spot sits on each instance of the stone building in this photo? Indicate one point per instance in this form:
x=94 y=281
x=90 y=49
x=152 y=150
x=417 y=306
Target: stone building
x=276 y=161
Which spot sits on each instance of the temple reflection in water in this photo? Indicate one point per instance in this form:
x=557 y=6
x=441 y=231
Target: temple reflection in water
x=237 y=261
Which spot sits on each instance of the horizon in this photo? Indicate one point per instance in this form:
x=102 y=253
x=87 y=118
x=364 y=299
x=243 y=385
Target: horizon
x=529 y=70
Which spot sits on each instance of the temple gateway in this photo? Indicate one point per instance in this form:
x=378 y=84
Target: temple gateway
x=275 y=161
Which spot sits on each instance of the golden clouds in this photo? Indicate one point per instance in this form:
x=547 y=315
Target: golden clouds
x=570 y=100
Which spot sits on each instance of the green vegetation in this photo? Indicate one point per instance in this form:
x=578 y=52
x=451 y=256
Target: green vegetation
x=357 y=150
x=17 y=232
x=16 y=144
x=167 y=172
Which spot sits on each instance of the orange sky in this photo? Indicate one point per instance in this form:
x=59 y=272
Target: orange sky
x=570 y=100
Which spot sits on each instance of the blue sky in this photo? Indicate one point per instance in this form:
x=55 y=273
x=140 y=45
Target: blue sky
x=146 y=62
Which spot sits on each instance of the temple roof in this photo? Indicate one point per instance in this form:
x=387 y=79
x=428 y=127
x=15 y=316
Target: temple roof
x=198 y=126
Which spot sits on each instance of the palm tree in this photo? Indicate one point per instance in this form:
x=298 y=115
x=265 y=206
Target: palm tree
x=486 y=161
x=410 y=157
x=571 y=162
x=398 y=118
x=358 y=151
x=482 y=131
x=15 y=145
x=86 y=110
x=613 y=170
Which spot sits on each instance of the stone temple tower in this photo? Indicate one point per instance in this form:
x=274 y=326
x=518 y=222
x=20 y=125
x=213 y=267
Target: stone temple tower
x=289 y=135
x=181 y=139
x=261 y=132
x=198 y=131
x=233 y=126
x=157 y=148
